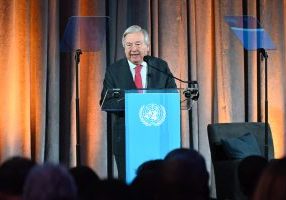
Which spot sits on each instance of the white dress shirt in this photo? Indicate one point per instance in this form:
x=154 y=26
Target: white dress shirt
x=143 y=72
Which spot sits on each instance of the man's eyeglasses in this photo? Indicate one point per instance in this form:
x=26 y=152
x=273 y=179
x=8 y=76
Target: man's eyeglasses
x=129 y=45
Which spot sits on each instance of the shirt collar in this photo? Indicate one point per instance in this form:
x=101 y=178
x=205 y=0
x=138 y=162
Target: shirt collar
x=132 y=65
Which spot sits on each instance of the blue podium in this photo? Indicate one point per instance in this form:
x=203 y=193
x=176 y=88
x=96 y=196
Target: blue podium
x=152 y=121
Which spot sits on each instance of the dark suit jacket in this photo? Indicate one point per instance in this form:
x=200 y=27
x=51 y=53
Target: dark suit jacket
x=118 y=75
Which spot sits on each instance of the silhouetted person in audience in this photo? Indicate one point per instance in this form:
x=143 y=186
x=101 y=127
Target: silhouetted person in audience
x=111 y=189
x=13 y=173
x=148 y=181
x=87 y=182
x=186 y=176
x=249 y=172
x=272 y=183
x=49 y=182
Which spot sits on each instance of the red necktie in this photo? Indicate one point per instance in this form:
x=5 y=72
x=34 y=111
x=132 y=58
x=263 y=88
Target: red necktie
x=138 y=78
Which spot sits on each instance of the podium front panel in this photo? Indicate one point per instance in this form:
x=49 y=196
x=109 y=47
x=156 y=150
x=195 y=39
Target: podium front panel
x=152 y=121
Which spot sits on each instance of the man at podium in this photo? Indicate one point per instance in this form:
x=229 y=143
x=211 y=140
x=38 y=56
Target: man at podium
x=133 y=72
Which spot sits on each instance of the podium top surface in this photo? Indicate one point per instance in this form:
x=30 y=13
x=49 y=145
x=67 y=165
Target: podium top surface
x=145 y=90
x=250 y=32
x=84 y=32
x=114 y=99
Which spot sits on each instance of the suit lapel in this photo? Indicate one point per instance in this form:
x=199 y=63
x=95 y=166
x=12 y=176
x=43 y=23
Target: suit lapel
x=128 y=79
x=153 y=78
x=150 y=75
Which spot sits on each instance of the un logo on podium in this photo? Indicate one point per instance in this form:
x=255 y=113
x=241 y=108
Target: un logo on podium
x=152 y=114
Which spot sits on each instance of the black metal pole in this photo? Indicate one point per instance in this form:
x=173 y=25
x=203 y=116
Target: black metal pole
x=245 y=60
x=109 y=147
x=109 y=115
x=265 y=56
x=78 y=52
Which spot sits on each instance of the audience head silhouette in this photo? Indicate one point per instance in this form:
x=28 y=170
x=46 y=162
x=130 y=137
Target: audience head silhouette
x=272 y=183
x=186 y=175
x=87 y=182
x=49 y=182
x=110 y=189
x=13 y=173
x=249 y=172
x=147 y=184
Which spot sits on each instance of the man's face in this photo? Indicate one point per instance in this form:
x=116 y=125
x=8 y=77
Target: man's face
x=135 y=47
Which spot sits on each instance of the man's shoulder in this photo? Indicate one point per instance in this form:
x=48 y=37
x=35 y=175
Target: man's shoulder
x=157 y=61
x=120 y=61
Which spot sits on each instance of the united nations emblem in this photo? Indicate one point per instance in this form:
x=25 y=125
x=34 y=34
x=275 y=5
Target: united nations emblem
x=152 y=114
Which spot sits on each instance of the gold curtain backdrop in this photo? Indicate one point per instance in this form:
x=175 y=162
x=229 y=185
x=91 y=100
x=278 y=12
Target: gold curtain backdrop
x=37 y=82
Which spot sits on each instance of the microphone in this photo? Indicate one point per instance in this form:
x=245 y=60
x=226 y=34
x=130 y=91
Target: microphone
x=148 y=58
x=190 y=93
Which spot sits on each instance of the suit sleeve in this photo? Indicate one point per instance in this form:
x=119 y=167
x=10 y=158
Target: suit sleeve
x=107 y=84
x=109 y=101
x=170 y=83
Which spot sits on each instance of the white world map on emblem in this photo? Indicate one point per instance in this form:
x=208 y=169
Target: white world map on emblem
x=152 y=114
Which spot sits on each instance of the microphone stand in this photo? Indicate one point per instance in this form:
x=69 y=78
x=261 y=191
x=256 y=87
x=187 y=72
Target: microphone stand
x=78 y=52
x=190 y=93
x=171 y=75
x=265 y=56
